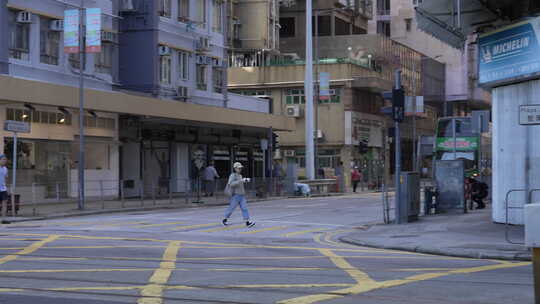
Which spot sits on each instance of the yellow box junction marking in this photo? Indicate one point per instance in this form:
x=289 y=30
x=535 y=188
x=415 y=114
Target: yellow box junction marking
x=193 y=226
x=290 y=234
x=265 y=230
x=224 y=228
x=160 y=224
x=153 y=292
x=35 y=246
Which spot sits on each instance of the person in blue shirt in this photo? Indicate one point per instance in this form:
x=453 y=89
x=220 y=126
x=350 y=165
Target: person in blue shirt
x=3 y=177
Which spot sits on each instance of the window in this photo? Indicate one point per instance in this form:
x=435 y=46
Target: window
x=201 y=77
x=165 y=70
x=217 y=11
x=183 y=65
x=383 y=28
x=49 y=42
x=295 y=96
x=342 y=27
x=19 y=38
x=74 y=61
x=52 y=118
x=165 y=8
x=183 y=10
x=201 y=13
x=104 y=59
x=217 y=74
x=324 y=25
x=288 y=27
x=408 y=24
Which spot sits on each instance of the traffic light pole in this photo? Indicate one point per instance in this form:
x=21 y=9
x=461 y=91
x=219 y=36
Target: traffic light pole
x=398 y=206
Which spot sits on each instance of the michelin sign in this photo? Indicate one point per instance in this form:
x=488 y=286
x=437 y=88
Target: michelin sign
x=511 y=53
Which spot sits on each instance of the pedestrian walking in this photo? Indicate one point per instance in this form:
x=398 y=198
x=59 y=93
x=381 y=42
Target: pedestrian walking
x=356 y=177
x=210 y=175
x=235 y=188
x=3 y=177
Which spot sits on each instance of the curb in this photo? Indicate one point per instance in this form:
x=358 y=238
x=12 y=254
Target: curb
x=138 y=209
x=459 y=253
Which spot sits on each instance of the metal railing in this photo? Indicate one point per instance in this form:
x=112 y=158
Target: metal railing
x=37 y=199
x=528 y=200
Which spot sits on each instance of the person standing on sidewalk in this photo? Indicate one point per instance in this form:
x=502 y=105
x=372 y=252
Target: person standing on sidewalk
x=356 y=177
x=3 y=178
x=210 y=174
x=238 y=195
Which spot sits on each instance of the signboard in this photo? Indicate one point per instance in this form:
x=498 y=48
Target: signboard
x=16 y=126
x=409 y=105
x=93 y=30
x=529 y=115
x=71 y=31
x=324 y=86
x=462 y=143
x=510 y=53
x=361 y=127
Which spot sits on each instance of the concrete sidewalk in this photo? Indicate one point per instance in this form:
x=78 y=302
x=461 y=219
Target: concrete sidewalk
x=471 y=235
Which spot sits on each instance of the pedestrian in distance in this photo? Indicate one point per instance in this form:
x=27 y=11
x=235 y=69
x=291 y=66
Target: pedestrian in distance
x=235 y=188
x=3 y=178
x=479 y=191
x=356 y=177
x=210 y=175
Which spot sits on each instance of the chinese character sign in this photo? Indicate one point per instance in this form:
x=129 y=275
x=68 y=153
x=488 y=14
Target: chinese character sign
x=71 y=31
x=93 y=30
x=324 y=86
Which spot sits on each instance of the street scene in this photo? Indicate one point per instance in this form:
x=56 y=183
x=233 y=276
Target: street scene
x=293 y=255
x=269 y=151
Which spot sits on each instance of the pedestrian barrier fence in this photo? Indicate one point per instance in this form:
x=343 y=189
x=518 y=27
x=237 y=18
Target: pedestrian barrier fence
x=38 y=199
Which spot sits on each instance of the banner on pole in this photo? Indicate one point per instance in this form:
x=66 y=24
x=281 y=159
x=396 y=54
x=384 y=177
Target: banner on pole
x=324 y=86
x=93 y=30
x=71 y=31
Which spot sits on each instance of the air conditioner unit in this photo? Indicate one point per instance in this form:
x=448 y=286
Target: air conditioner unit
x=277 y=154
x=293 y=111
x=289 y=153
x=182 y=92
x=319 y=134
x=56 y=25
x=164 y=50
x=108 y=36
x=127 y=6
x=200 y=59
x=203 y=44
x=24 y=17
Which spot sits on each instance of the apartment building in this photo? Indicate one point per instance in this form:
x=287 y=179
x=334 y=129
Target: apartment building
x=154 y=97
x=397 y=19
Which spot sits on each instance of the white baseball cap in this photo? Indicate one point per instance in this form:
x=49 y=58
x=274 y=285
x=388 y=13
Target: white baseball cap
x=237 y=165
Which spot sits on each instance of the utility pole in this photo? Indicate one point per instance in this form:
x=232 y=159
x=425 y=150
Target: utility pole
x=414 y=100
x=308 y=89
x=82 y=64
x=397 y=101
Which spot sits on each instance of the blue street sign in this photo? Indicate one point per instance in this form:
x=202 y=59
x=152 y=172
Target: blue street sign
x=511 y=53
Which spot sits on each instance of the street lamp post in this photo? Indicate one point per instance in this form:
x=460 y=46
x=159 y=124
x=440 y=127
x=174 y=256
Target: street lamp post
x=308 y=89
x=82 y=63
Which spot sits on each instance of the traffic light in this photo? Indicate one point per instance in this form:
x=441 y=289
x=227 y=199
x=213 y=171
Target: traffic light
x=275 y=141
x=398 y=105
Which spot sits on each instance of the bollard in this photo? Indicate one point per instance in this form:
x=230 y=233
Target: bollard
x=57 y=192
x=122 y=196
x=34 y=202
x=141 y=192
x=170 y=193
x=187 y=190
x=154 y=192
x=101 y=194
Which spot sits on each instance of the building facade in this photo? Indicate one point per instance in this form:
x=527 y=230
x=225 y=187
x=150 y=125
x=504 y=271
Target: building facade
x=397 y=19
x=154 y=97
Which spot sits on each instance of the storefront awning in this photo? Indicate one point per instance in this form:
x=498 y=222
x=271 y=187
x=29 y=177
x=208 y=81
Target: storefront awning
x=40 y=93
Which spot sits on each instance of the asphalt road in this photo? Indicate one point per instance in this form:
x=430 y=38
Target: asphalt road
x=291 y=256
